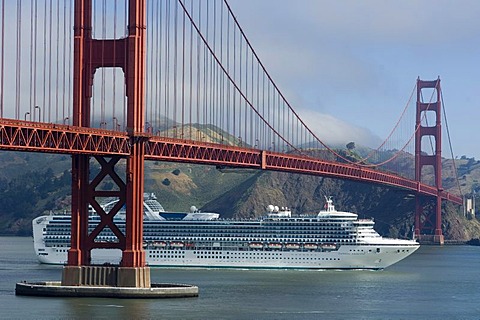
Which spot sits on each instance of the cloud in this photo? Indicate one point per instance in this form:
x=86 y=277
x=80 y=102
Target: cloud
x=334 y=131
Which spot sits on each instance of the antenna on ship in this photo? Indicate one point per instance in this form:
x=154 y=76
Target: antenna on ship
x=329 y=204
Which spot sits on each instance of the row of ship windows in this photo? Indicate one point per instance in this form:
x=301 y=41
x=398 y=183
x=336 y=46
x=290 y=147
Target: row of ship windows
x=219 y=253
x=199 y=224
x=231 y=230
x=152 y=236
x=218 y=232
x=204 y=242
x=249 y=235
x=245 y=234
x=251 y=238
x=249 y=253
x=227 y=257
x=216 y=227
x=206 y=224
x=256 y=227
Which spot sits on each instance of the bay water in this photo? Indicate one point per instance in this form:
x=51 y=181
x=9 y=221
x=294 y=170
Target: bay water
x=433 y=283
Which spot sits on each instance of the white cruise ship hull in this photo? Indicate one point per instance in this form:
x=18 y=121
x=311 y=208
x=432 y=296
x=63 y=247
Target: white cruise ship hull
x=366 y=256
x=331 y=240
x=341 y=259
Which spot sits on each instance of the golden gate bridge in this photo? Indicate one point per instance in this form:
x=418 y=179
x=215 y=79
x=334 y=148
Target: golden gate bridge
x=176 y=80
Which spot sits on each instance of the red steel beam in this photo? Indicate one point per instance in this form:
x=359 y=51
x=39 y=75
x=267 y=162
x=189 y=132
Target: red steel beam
x=16 y=135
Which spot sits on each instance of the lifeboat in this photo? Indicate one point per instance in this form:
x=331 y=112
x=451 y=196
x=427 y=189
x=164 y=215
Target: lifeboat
x=256 y=245
x=328 y=246
x=310 y=246
x=176 y=244
x=292 y=246
x=159 y=244
x=275 y=245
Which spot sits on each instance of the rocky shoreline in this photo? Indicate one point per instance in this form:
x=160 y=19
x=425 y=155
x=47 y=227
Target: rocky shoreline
x=473 y=242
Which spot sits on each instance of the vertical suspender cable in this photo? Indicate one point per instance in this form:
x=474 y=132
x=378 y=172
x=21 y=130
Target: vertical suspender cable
x=103 y=92
x=50 y=28
x=64 y=61
x=245 y=120
x=93 y=35
x=175 y=65
x=167 y=58
x=234 y=77
x=228 y=104
x=252 y=117
x=114 y=74
x=69 y=31
x=159 y=50
x=148 y=75
x=206 y=72
x=158 y=33
x=44 y=82
x=124 y=107
x=32 y=23
x=18 y=59
x=221 y=80
x=2 y=58
x=257 y=122
x=205 y=80
x=240 y=86
x=57 y=55
x=191 y=75
x=198 y=75
x=34 y=70
x=213 y=106
x=183 y=77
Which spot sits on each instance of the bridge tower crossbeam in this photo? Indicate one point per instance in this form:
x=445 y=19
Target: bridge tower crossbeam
x=89 y=55
x=428 y=213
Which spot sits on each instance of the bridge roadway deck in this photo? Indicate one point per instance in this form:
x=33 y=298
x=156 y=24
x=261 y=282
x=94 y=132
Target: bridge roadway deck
x=16 y=135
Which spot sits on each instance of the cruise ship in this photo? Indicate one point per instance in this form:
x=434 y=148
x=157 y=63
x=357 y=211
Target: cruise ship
x=330 y=239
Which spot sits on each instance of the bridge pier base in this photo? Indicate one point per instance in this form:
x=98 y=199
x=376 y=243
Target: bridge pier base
x=112 y=276
x=431 y=239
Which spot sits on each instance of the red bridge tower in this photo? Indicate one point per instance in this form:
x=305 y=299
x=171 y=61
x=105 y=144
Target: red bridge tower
x=128 y=53
x=428 y=214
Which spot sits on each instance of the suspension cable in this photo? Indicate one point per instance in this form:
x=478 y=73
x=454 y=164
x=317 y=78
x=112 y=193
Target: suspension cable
x=450 y=145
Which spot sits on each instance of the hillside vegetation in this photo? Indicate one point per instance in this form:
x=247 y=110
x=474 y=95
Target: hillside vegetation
x=35 y=184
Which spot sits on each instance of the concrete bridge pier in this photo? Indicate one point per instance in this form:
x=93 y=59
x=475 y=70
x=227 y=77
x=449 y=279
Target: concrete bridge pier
x=106 y=282
x=114 y=276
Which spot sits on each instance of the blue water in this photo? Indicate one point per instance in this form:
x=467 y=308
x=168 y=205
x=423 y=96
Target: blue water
x=433 y=283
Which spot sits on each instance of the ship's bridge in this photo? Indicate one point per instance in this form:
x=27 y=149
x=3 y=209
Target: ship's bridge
x=330 y=212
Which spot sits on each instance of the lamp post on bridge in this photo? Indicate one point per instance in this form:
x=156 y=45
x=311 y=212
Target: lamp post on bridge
x=39 y=113
x=116 y=125
x=26 y=114
x=65 y=121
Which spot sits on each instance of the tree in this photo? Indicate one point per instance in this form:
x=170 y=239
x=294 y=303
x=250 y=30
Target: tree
x=351 y=145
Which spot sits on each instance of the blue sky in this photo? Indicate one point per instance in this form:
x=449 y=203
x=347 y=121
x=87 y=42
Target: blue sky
x=355 y=63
